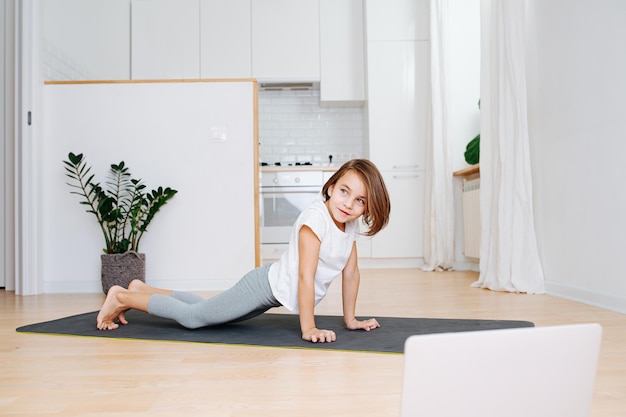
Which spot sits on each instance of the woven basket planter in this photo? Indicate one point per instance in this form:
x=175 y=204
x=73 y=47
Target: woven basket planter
x=120 y=269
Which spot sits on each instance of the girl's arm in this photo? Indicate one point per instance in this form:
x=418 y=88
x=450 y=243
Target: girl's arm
x=351 y=278
x=309 y=250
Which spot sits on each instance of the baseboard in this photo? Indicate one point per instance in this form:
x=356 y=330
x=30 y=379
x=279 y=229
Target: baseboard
x=467 y=266
x=390 y=263
x=59 y=287
x=84 y=287
x=379 y=263
x=584 y=295
x=72 y=287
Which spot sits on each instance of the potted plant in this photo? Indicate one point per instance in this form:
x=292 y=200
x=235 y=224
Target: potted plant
x=472 y=151
x=124 y=210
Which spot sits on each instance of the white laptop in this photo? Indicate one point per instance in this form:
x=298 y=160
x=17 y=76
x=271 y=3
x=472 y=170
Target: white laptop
x=523 y=372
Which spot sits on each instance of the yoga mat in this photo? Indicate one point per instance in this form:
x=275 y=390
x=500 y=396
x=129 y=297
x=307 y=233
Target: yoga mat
x=278 y=330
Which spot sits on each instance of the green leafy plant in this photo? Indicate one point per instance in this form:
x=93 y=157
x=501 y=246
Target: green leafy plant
x=124 y=209
x=472 y=150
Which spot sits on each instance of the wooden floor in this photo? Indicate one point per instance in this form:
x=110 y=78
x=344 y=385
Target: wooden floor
x=79 y=376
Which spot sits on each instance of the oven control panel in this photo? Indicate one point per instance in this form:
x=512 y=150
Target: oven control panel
x=292 y=179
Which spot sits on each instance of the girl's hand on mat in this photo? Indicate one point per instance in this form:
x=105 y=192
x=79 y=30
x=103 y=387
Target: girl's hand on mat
x=366 y=325
x=316 y=335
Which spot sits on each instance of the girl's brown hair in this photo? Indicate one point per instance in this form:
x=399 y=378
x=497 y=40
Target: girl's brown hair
x=378 y=207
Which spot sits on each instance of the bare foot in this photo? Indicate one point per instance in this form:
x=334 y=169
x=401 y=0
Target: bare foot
x=111 y=310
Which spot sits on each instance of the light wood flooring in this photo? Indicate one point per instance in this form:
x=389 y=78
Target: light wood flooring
x=79 y=376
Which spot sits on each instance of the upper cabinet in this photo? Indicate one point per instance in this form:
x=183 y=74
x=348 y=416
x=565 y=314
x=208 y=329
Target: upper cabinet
x=342 y=62
x=178 y=39
x=225 y=39
x=271 y=40
x=85 y=40
x=285 y=40
x=398 y=20
x=165 y=39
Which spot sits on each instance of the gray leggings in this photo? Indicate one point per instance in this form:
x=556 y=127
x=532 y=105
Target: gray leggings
x=250 y=297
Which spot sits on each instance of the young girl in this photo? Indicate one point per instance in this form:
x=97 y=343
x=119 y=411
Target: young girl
x=322 y=245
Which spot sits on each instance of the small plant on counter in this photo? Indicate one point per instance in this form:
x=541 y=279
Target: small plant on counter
x=123 y=209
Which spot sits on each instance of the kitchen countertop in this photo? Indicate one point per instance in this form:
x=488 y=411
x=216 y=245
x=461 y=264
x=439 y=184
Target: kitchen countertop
x=323 y=168
x=471 y=170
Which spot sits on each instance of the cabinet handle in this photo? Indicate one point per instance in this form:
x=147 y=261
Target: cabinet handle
x=398 y=177
x=406 y=166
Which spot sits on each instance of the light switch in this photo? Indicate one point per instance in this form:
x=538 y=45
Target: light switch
x=218 y=134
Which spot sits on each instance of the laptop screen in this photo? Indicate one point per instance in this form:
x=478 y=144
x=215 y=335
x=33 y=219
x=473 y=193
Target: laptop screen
x=538 y=372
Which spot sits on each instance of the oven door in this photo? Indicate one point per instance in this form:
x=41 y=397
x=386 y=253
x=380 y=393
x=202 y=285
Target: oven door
x=280 y=207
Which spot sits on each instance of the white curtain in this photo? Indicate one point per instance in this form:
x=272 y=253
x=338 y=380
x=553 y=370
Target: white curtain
x=439 y=207
x=509 y=259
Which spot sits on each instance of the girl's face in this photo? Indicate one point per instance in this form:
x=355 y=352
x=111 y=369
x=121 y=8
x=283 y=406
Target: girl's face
x=348 y=199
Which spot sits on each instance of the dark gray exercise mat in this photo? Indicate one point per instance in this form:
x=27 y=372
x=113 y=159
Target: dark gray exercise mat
x=280 y=330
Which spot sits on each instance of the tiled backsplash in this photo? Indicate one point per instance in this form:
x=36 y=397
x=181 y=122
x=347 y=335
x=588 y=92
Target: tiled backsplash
x=293 y=127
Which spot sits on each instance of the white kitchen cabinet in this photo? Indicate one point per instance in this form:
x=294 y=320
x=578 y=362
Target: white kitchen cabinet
x=363 y=243
x=342 y=62
x=101 y=51
x=398 y=84
x=403 y=237
x=398 y=97
x=392 y=20
x=165 y=39
x=285 y=40
x=225 y=39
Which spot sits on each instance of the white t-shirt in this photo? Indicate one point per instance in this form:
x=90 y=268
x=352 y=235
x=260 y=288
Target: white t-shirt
x=335 y=250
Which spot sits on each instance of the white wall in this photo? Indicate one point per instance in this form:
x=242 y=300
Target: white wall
x=577 y=107
x=168 y=134
x=464 y=76
x=464 y=93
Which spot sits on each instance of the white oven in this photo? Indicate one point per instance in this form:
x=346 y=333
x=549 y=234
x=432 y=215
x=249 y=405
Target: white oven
x=284 y=194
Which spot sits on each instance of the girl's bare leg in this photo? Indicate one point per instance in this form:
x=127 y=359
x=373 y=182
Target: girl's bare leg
x=119 y=300
x=137 y=285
